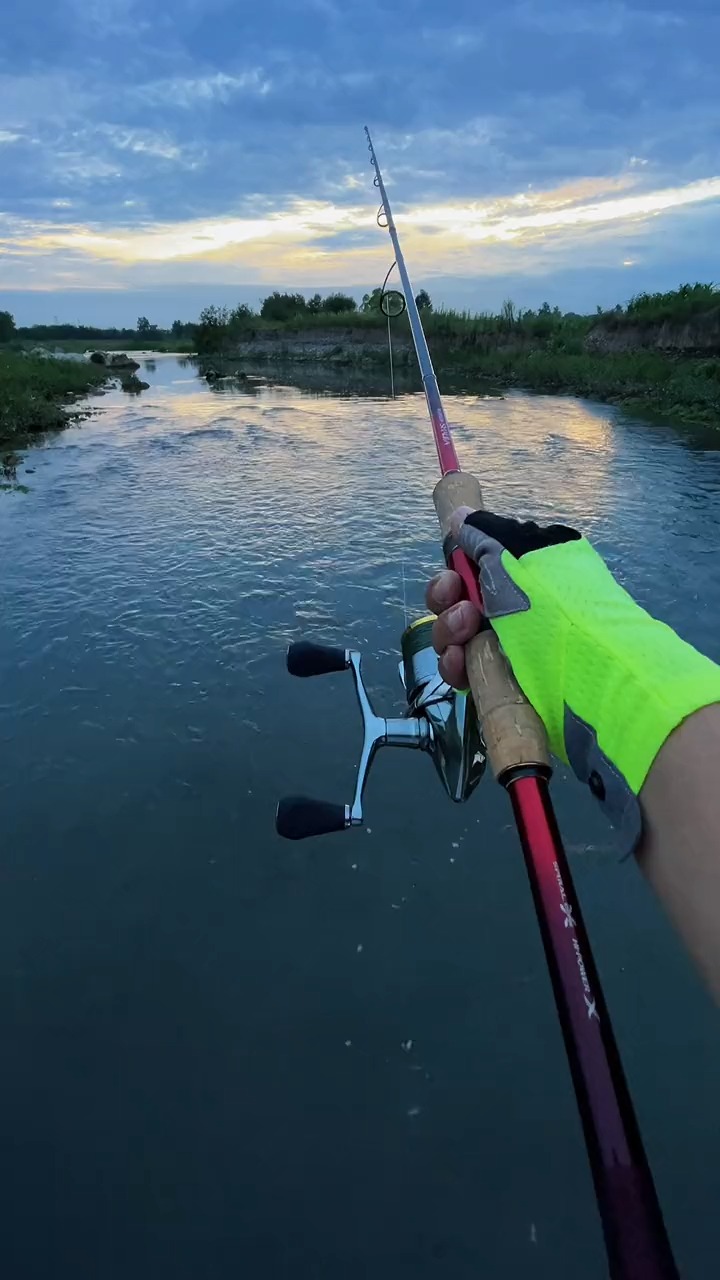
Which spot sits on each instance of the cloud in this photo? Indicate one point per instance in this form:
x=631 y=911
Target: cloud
x=27 y=99
x=332 y=243
x=77 y=166
x=451 y=39
x=146 y=142
x=544 y=132
x=189 y=92
x=608 y=20
x=109 y=17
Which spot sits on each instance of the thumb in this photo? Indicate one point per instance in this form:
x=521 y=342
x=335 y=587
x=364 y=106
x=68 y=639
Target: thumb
x=458 y=519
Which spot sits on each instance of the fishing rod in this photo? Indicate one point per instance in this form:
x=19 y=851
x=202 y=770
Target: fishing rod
x=507 y=732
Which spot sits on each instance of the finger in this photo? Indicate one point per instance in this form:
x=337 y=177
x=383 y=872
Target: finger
x=455 y=626
x=444 y=590
x=452 y=667
x=457 y=519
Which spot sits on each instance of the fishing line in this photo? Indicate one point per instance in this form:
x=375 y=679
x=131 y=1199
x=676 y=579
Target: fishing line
x=392 y=304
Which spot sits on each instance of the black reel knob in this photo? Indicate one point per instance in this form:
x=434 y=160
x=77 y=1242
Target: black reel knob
x=304 y=658
x=299 y=817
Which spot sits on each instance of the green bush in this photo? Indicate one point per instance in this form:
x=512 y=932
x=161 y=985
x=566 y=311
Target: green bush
x=677 y=306
x=678 y=387
x=338 y=304
x=33 y=392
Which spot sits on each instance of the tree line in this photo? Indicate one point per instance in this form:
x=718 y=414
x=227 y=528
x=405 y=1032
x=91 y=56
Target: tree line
x=90 y=333
x=277 y=308
x=218 y=327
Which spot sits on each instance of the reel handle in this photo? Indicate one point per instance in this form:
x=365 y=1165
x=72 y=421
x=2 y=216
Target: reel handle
x=298 y=817
x=305 y=658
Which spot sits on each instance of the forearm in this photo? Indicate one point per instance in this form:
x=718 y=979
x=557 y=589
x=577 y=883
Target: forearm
x=680 y=850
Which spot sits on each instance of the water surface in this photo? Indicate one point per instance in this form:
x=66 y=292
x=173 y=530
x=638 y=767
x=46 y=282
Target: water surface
x=206 y=1067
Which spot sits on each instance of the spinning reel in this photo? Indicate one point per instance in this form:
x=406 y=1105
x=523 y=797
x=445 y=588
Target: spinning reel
x=439 y=720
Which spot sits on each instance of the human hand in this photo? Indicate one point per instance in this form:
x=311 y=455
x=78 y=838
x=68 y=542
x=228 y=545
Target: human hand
x=458 y=619
x=609 y=682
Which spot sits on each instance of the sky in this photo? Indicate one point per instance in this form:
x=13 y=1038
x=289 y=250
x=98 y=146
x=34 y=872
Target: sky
x=157 y=158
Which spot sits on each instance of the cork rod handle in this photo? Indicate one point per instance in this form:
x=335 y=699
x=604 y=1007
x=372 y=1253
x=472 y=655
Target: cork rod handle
x=514 y=733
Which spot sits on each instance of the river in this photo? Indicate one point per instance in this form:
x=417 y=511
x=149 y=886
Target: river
x=225 y=1055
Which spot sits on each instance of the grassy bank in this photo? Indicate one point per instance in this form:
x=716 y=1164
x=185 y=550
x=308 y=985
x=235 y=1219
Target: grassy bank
x=34 y=394
x=78 y=346
x=684 y=389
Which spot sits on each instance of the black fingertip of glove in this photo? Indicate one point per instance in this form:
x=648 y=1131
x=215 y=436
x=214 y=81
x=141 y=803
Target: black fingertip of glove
x=521 y=536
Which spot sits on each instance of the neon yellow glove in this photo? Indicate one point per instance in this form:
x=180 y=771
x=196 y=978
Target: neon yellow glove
x=609 y=681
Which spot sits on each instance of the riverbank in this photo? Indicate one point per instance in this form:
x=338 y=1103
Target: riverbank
x=137 y=343
x=38 y=394
x=683 y=387
x=660 y=351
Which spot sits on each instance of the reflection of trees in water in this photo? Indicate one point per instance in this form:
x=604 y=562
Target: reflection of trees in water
x=324 y=379
x=151 y=366
x=321 y=378
x=235 y=383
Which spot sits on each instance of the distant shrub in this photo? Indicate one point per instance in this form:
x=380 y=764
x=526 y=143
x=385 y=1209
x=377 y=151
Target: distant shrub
x=283 y=306
x=338 y=304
